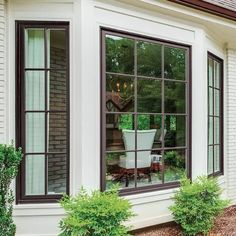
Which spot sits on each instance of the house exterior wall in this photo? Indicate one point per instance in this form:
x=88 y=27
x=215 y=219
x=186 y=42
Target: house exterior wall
x=231 y=122
x=86 y=18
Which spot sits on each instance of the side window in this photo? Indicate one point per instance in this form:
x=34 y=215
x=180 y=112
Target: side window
x=42 y=110
x=215 y=115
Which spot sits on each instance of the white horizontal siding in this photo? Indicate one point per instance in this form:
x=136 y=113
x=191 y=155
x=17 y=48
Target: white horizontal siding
x=3 y=81
x=231 y=123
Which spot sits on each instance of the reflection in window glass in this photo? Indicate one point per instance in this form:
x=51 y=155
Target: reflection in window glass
x=174 y=97
x=174 y=165
x=57 y=173
x=215 y=108
x=119 y=54
x=175 y=131
x=119 y=93
x=146 y=115
x=149 y=95
x=175 y=63
x=149 y=59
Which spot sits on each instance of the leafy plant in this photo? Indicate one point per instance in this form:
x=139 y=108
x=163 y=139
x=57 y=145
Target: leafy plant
x=197 y=204
x=127 y=122
x=9 y=161
x=101 y=213
x=173 y=158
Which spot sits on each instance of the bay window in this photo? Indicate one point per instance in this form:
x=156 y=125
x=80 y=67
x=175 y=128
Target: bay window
x=145 y=112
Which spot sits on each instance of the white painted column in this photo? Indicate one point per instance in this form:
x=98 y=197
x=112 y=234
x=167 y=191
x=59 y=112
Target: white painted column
x=3 y=81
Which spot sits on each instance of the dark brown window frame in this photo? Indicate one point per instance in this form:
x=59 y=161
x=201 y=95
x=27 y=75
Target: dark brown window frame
x=20 y=110
x=221 y=115
x=154 y=187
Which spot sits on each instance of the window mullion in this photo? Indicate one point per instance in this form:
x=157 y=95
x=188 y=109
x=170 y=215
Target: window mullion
x=135 y=109
x=163 y=110
x=46 y=108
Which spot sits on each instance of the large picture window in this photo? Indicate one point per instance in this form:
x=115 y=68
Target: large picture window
x=42 y=110
x=215 y=115
x=145 y=112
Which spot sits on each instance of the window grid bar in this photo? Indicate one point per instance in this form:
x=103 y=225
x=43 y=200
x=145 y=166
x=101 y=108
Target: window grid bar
x=135 y=109
x=145 y=77
x=163 y=114
x=45 y=69
x=46 y=107
x=45 y=111
x=143 y=150
x=143 y=113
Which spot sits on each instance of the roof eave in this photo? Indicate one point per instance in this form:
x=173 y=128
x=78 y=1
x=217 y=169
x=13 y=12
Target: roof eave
x=208 y=7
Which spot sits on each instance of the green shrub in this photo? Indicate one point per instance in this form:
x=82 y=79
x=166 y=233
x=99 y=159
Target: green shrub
x=9 y=161
x=197 y=204
x=101 y=213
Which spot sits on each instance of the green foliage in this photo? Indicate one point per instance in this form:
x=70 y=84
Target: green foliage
x=101 y=213
x=173 y=158
x=9 y=161
x=197 y=204
x=126 y=122
x=143 y=122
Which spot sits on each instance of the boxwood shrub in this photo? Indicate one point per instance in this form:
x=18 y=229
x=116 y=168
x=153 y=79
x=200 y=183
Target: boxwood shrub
x=197 y=204
x=96 y=214
x=9 y=161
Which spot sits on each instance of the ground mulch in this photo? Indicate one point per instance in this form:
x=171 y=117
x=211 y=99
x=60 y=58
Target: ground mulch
x=225 y=225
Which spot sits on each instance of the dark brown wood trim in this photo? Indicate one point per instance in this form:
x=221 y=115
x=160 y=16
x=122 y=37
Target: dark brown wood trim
x=154 y=187
x=208 y=7
x=20 y=108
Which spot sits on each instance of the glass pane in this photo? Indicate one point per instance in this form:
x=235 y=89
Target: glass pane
x=149 y=95
x=35 y=132
x=210 y=130
x=217 y=102
x=175 y=63
x=217 y=131
x=174 y=97
x=210 y=72
x=149 y=168
x=217 y=74
x=34 y=175
x=57 y=174
x=119 y=54
x=210 y=160
x=175 y=165
x=149 y=133
x=210 y=101
x=57 y=90
x=120 y=169
x=217 y=158
x=119 y=93
x=175 y=131
x=57 y=54
x=115 y=124
x=34 y=90
x=34 y=48
x=57 y=132
x=149 y=59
